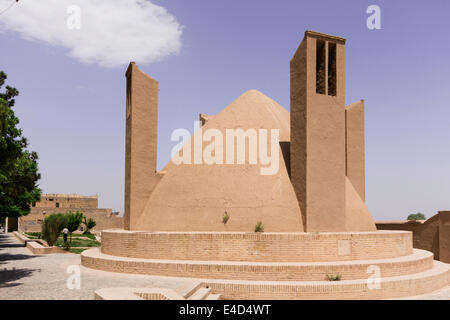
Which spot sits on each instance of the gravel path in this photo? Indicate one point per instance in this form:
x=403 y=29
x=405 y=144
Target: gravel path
x=29 y=277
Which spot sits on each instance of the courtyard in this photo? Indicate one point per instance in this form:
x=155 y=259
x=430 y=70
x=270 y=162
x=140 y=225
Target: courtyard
x=24 y=276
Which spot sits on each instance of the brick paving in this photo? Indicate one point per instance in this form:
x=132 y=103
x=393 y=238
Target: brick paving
x=30 y=277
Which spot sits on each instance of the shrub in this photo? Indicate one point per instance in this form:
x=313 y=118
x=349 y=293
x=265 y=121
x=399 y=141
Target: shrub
x=66 y=246
x=90 y=224
x=259 y=227
x=77 y=250
x=73 y=221
x=52 y=226
x=225 y=218
x=336 y=277
x=33 y=234
x=417 y=216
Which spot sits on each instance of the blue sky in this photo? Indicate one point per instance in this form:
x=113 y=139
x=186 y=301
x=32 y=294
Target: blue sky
x=73 y=112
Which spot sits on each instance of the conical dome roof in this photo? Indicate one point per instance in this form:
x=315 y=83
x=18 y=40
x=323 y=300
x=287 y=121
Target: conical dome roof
x=194 y=197
x=253 y=110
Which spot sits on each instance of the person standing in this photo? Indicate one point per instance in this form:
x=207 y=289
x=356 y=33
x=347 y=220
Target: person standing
x=65 y=233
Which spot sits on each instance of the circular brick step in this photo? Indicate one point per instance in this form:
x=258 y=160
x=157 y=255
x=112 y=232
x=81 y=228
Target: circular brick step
x=418 y=261
x=424 y=282
x=257 y=247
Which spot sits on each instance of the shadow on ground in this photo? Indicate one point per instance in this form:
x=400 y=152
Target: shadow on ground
x=8 y=241
x=11 y=257
x=6 y=238
x=5 y=243
x=8 y=276
x=11 y=245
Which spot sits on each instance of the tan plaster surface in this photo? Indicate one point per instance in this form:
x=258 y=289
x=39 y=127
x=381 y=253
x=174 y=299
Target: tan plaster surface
x=355 y=147
x=195 y=197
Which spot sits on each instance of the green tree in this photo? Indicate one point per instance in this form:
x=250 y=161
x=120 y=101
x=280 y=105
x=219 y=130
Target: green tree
x=73 y=221
x=52 y=226
x=18 y=166
x=90 y=224
x=417 y=216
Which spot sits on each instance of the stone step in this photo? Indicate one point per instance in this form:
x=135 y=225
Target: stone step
x=200 y=294
x=213 y=296
x=391 y=287
x=419 y=261
x=189 y=288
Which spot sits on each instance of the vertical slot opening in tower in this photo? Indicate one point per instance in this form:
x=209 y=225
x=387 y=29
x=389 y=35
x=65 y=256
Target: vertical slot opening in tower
x=332 y=81
x=320 y=67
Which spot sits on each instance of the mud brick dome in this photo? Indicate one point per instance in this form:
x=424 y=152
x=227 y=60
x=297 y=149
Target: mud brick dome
x=316 y=223
x=320 y=182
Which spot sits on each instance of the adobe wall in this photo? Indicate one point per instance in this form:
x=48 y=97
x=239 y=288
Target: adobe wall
x=66 y=201
x=103 y=217
x=431 y=235
x=37 y=248
x=62 y=203
x=140 y=143
x=235 y=246
x=354 y=147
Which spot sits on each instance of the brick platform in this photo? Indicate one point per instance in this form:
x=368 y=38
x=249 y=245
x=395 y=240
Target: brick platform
x=391 y=287
x=419 y=261
x=262 y=247
x=277 y=265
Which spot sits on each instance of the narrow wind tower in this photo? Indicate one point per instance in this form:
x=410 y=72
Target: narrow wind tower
x=327 y=139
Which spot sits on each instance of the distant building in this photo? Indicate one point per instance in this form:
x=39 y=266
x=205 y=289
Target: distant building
x=62 y=203
x=431 y=235
x=69 y=201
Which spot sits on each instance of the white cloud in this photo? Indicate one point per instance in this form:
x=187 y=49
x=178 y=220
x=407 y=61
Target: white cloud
x=112 y=32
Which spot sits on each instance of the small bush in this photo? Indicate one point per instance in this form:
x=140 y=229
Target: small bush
x=66 y=246
x=79 y=242
x=336 y=277
x=85 y=235
x=225 y=218
x=77 y=250
x=52 y=226
x=33 y=234
x=90 y=224
x=259 y=227
x=73 y=221
x=417 y=216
